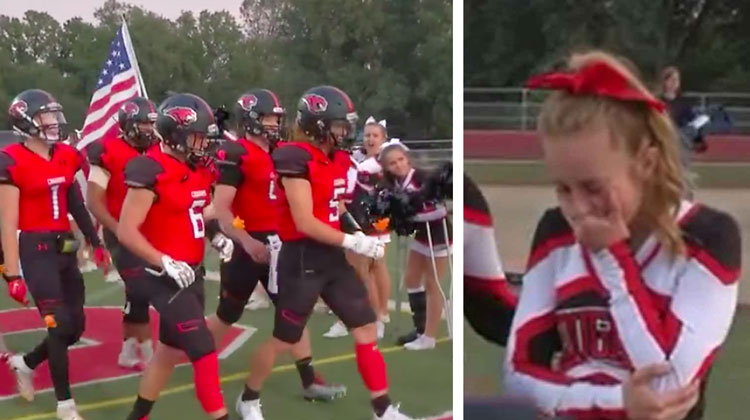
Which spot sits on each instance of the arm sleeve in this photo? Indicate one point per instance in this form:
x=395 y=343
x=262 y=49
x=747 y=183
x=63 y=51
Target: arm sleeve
x=228 y=162
x=534 y=341
x=77 y=209
x=95 y=153
x=291 y=161
x=6 y=162
x=490 y=304
x=702 y=305
x=142 y=172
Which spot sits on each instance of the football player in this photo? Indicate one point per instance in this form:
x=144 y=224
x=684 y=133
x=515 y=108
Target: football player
x=38 y=190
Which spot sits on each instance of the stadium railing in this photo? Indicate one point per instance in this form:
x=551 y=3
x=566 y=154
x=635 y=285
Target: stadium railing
x=516 y=108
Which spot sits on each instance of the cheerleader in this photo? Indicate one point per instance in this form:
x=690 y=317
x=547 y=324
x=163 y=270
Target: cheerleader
x=420 y=277
x=629 y=290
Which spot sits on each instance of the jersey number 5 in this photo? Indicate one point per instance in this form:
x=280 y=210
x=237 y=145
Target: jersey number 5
x=333 y=215
x=196 y=218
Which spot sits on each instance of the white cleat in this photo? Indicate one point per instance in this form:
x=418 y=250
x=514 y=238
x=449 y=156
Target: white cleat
x=381 y=329
x=255 y=303
x=337 y=330
x=24 y=380
x=147 y=351
x=249 y=410
x=113 y=277
x=87 y=267
x=392 y=413
x=422 y=342
x=66 y=410
x=128 y=357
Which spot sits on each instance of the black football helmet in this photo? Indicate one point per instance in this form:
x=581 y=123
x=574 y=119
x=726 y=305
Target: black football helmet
x=320 y=107
x=132 y=112
x=184 y=114
x=30 y=103
x=250 y=109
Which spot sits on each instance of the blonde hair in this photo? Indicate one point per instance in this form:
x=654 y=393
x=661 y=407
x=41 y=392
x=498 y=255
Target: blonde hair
x=634 y=126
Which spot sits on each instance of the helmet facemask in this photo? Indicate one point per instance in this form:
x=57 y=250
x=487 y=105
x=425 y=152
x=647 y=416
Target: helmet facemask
x=50 y=125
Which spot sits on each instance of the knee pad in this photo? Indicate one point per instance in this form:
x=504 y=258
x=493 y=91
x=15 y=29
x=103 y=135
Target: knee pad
x=230 y=308
x=66 y=324
x=288 y=326
x=197 y=344
x=135 y=312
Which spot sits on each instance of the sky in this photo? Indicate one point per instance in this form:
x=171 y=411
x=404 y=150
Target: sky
x=63 y=10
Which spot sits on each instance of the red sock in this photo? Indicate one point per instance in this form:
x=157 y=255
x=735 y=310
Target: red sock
x=206 y=377
x=371 y=367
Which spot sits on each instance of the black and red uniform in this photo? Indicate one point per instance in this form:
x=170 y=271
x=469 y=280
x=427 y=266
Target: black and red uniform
x=309 y=269
x=431 y=215
x=113 y=153
x=48 y=192
x=247 y=167
x=174 y=225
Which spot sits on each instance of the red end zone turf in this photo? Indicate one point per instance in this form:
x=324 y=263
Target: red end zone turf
x=94 y=358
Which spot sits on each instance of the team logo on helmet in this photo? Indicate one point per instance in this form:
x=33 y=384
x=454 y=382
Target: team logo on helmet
x=130 y=109
x=315 y=103
x=18 y=108
x=247 y=102
x=182 y=115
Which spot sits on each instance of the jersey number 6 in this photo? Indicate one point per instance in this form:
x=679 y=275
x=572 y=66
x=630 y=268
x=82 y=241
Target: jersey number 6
x=196 y=218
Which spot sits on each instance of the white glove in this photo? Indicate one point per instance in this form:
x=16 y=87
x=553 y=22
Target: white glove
x=362 y=244
x=224 y=245
x=180 y=271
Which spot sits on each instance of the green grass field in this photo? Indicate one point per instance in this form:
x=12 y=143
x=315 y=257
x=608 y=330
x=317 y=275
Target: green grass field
x=420 y=381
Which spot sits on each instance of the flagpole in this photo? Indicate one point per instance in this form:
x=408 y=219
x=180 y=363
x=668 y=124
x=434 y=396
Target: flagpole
x=131 y=56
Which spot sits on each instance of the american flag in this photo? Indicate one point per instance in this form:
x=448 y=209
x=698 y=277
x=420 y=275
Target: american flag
x=119 y=80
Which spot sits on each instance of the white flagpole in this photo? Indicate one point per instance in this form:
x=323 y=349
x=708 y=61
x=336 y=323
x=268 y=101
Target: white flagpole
x=131 y=56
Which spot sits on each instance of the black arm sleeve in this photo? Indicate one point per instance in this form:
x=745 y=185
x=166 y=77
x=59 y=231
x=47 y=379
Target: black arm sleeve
x=5 y=163
x=229 y=160
x=95 y=153
x=141 y=172
x=77 y=208
x=291 y=161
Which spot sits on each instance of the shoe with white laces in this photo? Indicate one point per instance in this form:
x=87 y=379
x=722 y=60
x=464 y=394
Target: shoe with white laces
x=337 y=330
x=113 y=277
x=249 y=410
x=128 y=357
x=66 y=410
x=392 y=413
x=423 y=342
x=23 y=373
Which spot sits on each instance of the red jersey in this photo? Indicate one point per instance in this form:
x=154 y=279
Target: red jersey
x=113 y=153
x=43 y=184
x=245 y=166
x=174 y=224
x=327 y=178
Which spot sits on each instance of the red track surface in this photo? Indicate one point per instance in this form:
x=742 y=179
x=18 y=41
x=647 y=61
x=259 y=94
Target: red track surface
x=508 y=144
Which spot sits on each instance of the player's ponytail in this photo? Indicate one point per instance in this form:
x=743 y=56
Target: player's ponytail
x=634 y=124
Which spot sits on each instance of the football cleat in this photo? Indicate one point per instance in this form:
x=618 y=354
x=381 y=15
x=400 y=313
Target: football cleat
x=23 y=373
x=337 y=330
x=323 y=392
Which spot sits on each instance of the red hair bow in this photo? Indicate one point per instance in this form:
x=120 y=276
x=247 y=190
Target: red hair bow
x=599 y=79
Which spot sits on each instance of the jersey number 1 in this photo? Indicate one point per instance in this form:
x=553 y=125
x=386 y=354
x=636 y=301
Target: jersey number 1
x=196 y=218
x=55 y=189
